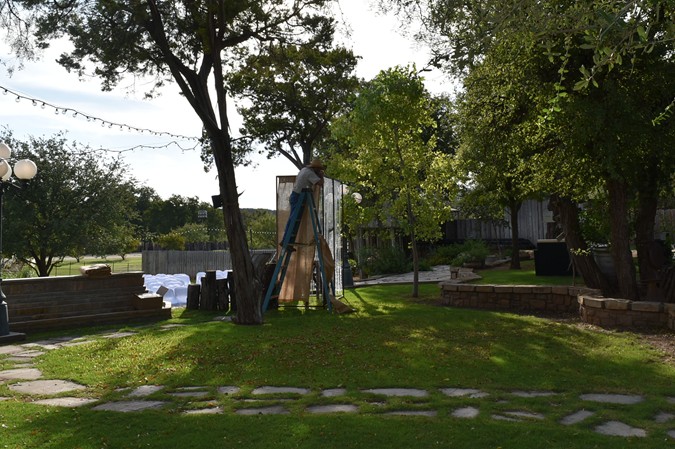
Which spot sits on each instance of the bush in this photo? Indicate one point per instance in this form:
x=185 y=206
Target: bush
x=388 y=260
x=471 y=251
x=171 y=241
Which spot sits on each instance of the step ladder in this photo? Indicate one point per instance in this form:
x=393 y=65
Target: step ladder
x=306 y=199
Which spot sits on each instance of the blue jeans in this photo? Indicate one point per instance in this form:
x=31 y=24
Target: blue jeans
x=295 y=203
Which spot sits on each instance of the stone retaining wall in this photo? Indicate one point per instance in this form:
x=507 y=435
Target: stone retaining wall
x=623 y=313
x=592 y=307
x=518 y=298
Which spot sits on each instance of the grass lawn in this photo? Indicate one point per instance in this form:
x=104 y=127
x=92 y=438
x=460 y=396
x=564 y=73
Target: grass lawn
x=132 y=262
x=392 y=341
x=525 y=276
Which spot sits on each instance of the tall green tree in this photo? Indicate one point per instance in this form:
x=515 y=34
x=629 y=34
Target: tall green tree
x=498 y=114
x=609 y=56
x=75 y=205
x=189 y=43
x=390 y=155
x=292 y=93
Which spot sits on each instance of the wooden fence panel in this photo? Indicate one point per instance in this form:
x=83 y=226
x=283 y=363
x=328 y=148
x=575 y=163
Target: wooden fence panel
x=189 y=262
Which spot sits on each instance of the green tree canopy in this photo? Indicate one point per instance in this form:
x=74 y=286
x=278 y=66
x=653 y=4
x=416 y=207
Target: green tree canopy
x=76 y=204
x=391 y=159
x=292 y=93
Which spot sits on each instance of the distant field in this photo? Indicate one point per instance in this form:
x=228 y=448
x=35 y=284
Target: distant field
x=132 y=262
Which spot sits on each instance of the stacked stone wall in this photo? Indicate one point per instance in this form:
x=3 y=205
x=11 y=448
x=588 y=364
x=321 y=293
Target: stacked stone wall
x=588 y=303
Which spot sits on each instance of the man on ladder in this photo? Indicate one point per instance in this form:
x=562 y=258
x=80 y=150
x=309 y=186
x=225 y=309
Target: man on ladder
x=301 y=200
x=310 y=176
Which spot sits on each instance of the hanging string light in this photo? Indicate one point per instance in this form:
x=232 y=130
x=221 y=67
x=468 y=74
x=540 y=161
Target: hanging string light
x=75 y=114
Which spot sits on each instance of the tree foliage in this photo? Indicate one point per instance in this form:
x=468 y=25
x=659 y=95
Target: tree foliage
x=189 y=43
x=77 y=204
x=292 y=93
x=392 y=160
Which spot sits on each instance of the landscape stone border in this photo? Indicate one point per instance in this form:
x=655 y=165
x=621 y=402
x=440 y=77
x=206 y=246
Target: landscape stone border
x=589 y=304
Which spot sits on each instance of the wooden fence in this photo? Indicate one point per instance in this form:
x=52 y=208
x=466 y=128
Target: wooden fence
x=189 y=262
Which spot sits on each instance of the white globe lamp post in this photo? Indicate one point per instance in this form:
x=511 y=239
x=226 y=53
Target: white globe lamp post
x=23 y=170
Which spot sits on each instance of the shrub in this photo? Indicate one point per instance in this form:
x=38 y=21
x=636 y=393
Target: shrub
x=387 y=260
x=171 y=241
x=457 y=254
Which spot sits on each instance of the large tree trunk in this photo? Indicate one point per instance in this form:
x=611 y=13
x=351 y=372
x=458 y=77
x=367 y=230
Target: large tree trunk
x=620 y=240
x=514 y=208
x=645 y=221
x=566 y=213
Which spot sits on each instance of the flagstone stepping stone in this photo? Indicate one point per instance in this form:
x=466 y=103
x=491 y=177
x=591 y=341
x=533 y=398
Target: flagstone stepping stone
x=20 y=374
x=533 y=394
x=576 y=417
x=228 y=390
x=272 y=410
x=332 y=392
x=505 y=418
x=189 y=394
x=280 y=390
x=66 y=402
x=664 y=417
x=45 y=344
x=129 y=406
x=119 y=334
x=399 y=392
x=145 y=390
x=526 y=415
x=10 y=349
x=460 y=392
x=671 y=433
x=333 y=408
x=619 y=429
x=46 y=387
x=205 y=411
x=627 y=399
x=466 y=412
x=28 y=354
x=167 y=327
x=427 y=413
x=671 y=400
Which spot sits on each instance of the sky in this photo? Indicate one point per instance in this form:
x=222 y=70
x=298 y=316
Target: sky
x=165 y=124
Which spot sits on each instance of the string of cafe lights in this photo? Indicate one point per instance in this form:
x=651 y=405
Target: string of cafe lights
x=90 y=118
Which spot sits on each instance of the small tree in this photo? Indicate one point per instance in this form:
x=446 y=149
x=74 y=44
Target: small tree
x=389 y=152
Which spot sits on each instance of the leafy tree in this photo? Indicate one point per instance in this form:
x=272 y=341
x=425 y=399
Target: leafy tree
x=610 y=56
x=292 y=93
x=262 y=228
x=498 y=116
x=69 y=208
x=388 y=155
x=189 y=43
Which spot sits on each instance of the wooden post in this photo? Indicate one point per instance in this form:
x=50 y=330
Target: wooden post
x=209 y=292
x=223 y=294
x=233 y=298
x=193 y=292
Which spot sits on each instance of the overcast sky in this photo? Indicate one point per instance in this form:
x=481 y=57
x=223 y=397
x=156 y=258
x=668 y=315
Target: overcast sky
x=167 y=168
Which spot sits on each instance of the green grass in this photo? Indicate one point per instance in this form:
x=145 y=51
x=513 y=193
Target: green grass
x=525 y=276
x=392 y=341
x=72 y=267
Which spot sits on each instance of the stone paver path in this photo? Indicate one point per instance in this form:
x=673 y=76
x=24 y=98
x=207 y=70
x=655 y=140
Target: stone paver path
x=25 y=381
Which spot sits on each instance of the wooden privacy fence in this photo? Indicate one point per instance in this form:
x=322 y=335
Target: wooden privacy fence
x=189 y=262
